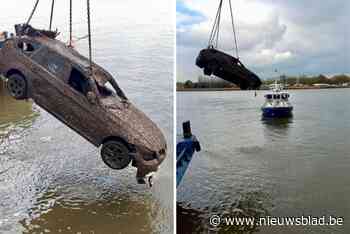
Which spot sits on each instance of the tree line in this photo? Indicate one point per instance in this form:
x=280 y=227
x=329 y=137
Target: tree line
x=212 y=82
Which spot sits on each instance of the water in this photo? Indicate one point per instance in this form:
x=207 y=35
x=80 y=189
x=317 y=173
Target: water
x=51 y=179
x=293 y=167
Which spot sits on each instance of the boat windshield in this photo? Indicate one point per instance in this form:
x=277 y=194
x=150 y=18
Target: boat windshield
x=268 y=96
x=276 y=96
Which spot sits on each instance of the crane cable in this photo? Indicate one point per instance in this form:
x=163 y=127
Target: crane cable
x=214 y=34
x=33 y=11
x=89 y=34
x=234 y=29
x=218 y=30
x=70 y=22
x=51 y=16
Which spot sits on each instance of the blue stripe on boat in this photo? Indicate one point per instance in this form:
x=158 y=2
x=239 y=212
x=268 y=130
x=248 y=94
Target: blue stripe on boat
x=277 y=111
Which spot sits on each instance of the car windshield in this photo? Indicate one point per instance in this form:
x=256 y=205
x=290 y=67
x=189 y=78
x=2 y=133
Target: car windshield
x=111 y=88
x=106 y=90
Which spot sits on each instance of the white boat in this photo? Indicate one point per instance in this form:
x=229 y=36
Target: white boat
x=277 y=103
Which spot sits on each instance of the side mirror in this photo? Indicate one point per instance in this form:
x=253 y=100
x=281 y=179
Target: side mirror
x=91 y=96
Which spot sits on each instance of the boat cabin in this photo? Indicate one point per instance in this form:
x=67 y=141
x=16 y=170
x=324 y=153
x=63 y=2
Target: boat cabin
x=277 y=96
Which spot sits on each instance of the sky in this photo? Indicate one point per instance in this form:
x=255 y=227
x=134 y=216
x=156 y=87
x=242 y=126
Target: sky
x=103 y=12
x=275 y=37
x=135 y=32
x=133 y=40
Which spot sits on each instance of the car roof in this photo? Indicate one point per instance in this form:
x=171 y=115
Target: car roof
x=100 y=75
x=65 y=51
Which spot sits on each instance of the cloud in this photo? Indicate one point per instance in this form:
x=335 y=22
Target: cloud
x=294 y=37
x=186 y=16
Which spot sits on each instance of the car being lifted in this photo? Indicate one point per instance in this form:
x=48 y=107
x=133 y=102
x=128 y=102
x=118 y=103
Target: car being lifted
x=87 y=99
x=227 y=67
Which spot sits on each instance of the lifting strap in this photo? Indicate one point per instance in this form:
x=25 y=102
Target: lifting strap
x=70 y=22
x=51 y=16
x=33 y=11
x=214 y=35
x=215 y=31
x=234 y=30
x=89 y=34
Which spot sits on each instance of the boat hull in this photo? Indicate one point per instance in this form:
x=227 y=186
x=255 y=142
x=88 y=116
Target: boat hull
x=277 y=112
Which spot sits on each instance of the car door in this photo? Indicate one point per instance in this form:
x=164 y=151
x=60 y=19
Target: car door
x=19 y=57
x=66 y=101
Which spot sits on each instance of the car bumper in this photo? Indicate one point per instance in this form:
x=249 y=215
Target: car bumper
x=145 y=167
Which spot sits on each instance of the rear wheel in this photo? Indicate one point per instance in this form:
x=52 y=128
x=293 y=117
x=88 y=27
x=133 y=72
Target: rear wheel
x=17 y=86
x=115 y=154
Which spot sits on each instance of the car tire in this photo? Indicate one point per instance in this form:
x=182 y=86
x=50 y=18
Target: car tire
x=116 y=154
x=17 y=86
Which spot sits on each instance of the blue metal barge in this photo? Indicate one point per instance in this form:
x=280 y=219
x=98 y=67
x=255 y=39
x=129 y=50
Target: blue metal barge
x=185 y=150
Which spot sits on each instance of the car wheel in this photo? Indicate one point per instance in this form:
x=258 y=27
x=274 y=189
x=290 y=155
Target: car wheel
x=115 y=154
x=17 y=86
x=207 y=71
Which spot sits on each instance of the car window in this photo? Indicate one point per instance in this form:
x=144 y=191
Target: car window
x=109 y=87
x=54 y=63
x=79 y=82
x=106 y=90
x=28 y=47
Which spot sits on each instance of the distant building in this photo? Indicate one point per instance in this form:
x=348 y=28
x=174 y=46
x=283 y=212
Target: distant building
x=322 y=85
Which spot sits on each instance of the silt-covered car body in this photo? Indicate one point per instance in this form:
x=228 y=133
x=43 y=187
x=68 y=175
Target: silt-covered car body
x=227 y=67
x=87 y=99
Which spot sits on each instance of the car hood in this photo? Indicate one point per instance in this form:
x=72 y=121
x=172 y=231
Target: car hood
x=136 y=126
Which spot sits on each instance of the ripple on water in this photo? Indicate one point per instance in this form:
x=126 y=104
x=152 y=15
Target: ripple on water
x=249 y=204
x=289 y=166
x=15 y=117
x=58 y=211
x=57 y=183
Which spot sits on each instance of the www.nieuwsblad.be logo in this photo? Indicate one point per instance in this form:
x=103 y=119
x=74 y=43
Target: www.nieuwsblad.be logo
x=216 y=221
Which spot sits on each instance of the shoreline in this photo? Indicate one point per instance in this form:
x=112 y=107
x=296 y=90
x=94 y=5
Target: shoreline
x=237 y=89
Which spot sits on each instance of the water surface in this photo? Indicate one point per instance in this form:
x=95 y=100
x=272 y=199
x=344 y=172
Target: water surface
x=51 y=179
x=290 y=167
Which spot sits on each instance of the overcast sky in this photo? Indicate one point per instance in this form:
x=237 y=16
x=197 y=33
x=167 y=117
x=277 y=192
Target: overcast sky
x=103 y=13
x=133 y=40
x=294 y=37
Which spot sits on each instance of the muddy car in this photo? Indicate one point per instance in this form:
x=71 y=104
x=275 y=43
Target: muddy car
x=227 y=67
x=89 y=101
